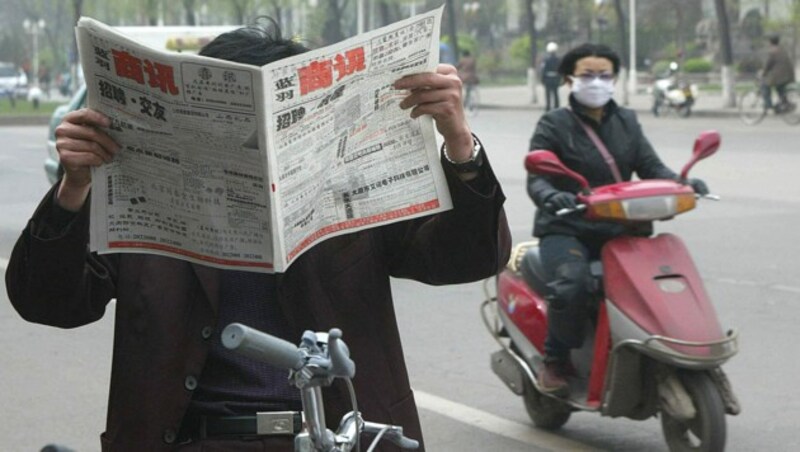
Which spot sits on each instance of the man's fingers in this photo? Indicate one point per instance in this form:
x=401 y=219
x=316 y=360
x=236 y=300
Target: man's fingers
x=429 y=80
x=85 y=124
x=435 y=109
x=87 y=116
x=72 y=159
x=446 y=69
x=431 y=96
x=68 y=147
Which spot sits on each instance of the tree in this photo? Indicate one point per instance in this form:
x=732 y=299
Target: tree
x=450 y=12
x=332 y=28
x=530 y=26
x=728 y=93
x=188 y=6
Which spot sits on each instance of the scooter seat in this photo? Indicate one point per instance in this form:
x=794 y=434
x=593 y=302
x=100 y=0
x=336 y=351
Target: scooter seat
x=532 y=270
x=518 y=252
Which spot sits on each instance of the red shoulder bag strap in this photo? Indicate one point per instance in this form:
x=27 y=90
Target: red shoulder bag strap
x=598 y=143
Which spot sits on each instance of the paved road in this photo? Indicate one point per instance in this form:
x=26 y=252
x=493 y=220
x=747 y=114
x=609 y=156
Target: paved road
x=53 y=383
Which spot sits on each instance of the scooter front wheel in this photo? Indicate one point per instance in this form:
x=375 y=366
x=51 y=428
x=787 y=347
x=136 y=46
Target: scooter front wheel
x=685 y=110
x=545 y=412
x=706 y=430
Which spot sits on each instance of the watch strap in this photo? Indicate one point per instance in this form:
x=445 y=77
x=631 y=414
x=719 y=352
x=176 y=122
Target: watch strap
x=468 y=166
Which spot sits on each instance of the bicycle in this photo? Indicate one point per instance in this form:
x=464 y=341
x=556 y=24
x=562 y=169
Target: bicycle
x=317 y=362
x=752 y=109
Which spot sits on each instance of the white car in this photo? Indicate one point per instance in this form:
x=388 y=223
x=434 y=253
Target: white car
x=13 y=81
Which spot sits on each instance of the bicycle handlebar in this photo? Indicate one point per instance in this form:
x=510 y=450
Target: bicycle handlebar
x=392 y=434
x=341 y=364
x=313 y=365
x=262 y=347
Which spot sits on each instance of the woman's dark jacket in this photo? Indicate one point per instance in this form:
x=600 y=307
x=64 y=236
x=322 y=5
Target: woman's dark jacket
x=560 y=132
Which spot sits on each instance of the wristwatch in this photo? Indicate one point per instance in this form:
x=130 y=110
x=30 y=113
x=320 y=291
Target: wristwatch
x=468 y=166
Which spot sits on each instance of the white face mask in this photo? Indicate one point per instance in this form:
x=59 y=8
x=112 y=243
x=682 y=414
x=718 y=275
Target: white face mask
x=593 y=94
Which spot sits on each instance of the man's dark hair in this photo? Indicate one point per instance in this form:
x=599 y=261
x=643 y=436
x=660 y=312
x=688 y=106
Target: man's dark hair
x=567 y=66
x=257 y=44
x=774 y=39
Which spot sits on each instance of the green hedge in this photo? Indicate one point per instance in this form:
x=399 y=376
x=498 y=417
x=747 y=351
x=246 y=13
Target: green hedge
x=697 y=66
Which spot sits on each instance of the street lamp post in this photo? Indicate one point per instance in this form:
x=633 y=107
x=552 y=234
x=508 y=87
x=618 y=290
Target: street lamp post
x=632 y=63
x=360 y=16
x=34 y=27
x=470 y=11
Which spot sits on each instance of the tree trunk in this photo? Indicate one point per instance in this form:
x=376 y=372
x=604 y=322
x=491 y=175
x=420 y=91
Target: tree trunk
x=332 y=30
x=188 y=8
x=679 y=32
x=530 y=25
x=73 y=65
x=450 y=10
x=728 y=92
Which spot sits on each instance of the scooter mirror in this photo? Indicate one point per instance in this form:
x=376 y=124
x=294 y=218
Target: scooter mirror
x=545 y=162
x=706 y=144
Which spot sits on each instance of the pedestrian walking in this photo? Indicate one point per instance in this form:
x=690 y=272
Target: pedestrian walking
x=550 y=77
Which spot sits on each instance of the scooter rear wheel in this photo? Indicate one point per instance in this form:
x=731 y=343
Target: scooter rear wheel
x=706 y=431
x=545 y=412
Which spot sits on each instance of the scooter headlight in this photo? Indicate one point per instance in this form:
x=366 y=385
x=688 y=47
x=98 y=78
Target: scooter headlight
x=644 y=209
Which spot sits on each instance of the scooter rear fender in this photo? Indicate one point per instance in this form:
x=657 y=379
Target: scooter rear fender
x=526 y=309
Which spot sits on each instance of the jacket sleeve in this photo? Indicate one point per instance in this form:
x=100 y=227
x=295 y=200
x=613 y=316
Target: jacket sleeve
x=544 y=138
x=52 y=278
x=647 y=164
x=772 y=59
x=467 y=243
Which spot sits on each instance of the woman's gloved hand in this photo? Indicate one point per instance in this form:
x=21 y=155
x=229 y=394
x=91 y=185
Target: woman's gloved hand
x=699 y=186
x=560 y=200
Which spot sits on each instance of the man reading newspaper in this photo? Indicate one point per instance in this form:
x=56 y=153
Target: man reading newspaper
x=173 y=385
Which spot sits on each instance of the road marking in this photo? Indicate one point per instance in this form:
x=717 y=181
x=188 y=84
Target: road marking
x=496 y=425
x=3 y=263
x=757 y=284
x=785 y=288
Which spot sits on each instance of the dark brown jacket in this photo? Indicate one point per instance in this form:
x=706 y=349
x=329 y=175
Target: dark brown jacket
x=778 y=70
x=166 y=306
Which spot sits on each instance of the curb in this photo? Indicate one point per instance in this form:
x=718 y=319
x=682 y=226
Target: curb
x=701 y=113
x=28 y=120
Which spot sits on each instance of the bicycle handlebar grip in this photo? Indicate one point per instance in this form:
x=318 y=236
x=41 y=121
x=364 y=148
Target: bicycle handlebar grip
x=341 y=364
x=407 y=443
x=262 y=346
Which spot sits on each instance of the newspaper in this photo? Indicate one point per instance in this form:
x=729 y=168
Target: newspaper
x=244 y=167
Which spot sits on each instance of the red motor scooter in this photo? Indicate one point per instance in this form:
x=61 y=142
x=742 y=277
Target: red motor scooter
x=654 y=346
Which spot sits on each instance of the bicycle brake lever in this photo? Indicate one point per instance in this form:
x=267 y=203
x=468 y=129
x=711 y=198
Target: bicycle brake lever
x=341 y=364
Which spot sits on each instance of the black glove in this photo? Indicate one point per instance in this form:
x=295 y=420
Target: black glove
x=560 y=200
x=699 y=186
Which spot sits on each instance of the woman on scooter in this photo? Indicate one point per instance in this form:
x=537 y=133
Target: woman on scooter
x=604 y=142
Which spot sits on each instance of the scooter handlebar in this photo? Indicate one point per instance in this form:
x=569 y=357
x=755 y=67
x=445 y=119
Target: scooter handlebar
x=262 y=346
x=569 y=210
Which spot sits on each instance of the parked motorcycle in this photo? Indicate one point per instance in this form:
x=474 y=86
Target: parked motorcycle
x=655 y=345
x=673 y=95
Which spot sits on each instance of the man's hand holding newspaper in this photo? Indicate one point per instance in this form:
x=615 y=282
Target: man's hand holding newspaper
x=247 y=167
x=439 y=95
